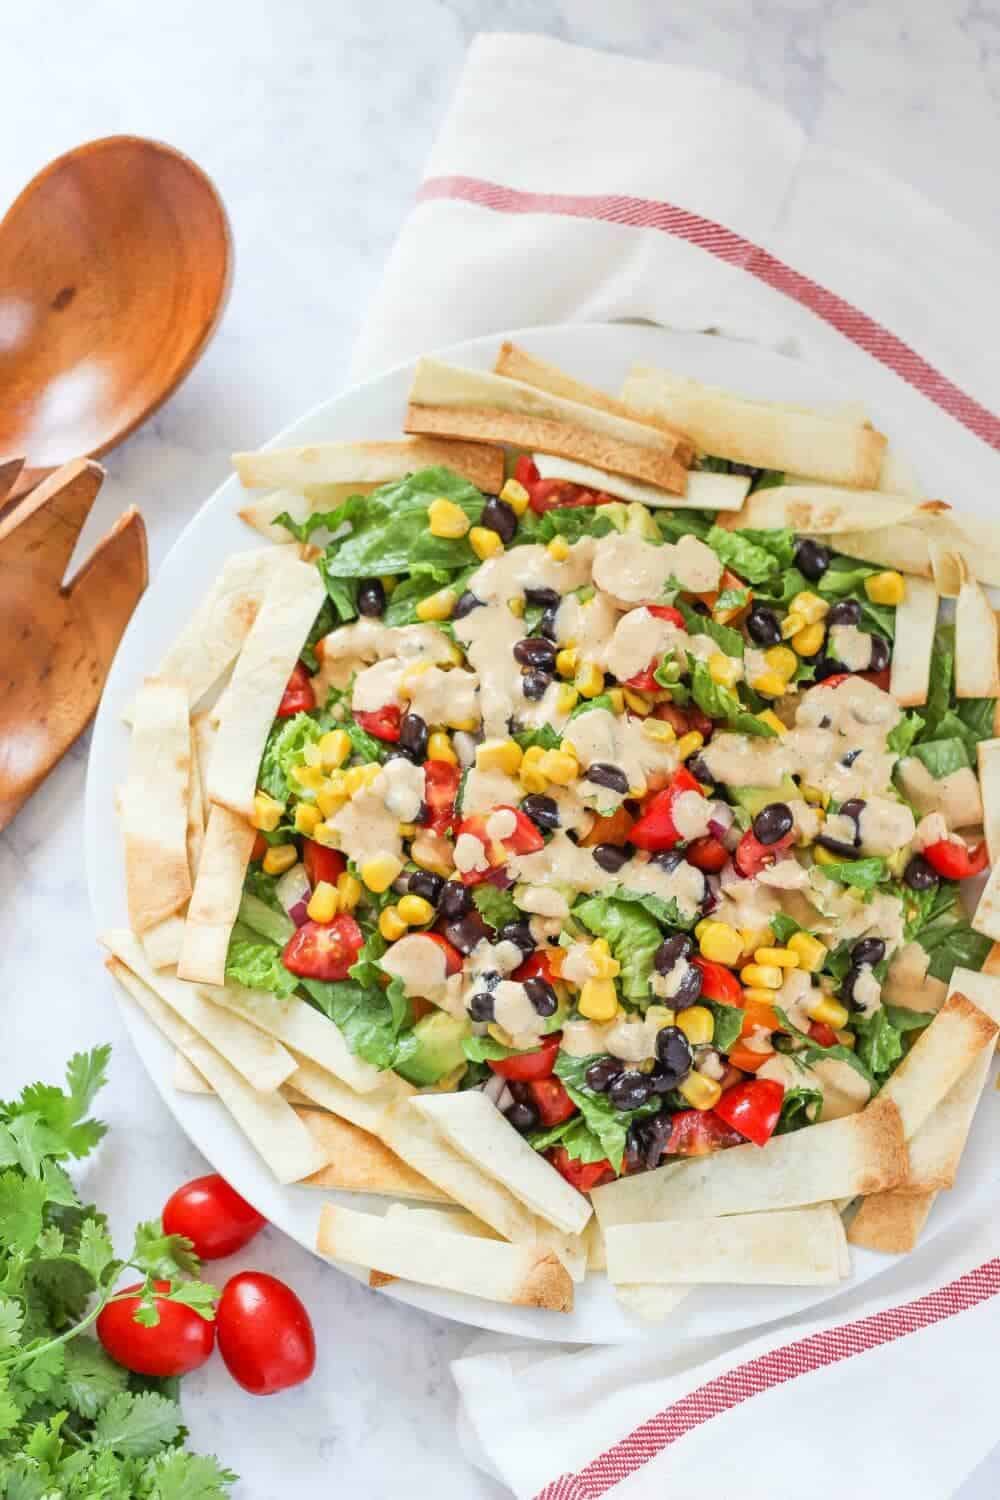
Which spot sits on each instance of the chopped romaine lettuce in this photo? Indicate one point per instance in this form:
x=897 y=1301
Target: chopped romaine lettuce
x=633 y=935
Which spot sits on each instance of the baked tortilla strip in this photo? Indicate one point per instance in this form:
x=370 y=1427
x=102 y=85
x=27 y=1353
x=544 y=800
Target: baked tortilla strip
x=358 y=1162
x=302 y=1028
x=937 y=1060
x=649 y=1304
x=196 y=814
x=916 y=620
x=988 y=760
x=903 y=547
x=368 y=1111
x=215 y=900
x=597 y=1259
x=766 y=434
x=186 y=1079
x=267 y=1120
x=476 y=1128
x=262 y=509
x=891 y=1222
x=795 y=1247
x=570 y=1249
x=263 y=1062
x=447 y=1220
x=162 y=944
x=154 y=804
x=259 y=678
x=975 y=540
x=353 y=465
x=936 y=1149
x=986 y=918
x=204 y=727
x=825 y=509
x=521 y=1275
x=703 y=491
x=855 y=1155
x=977 y=673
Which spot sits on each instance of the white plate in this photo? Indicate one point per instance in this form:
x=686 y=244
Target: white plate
x=600 y=354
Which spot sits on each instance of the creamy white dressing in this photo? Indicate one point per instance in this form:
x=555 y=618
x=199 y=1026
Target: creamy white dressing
x=378 y=685
x=444 y=697
x=366 y=826
x=542 y=901
x=931 y=829
x=501 y=824
x=516 y=1014
x=785 y=875
x=867 y=991
x=486 y=789
x=420 y=964
x=667 y=985
x=470 y=854
x=370 y=640
x=587 y=625
x=844 y=1090
x=602 y=737
x=404 y=788
x=578 y=964
x=684 y=883
x=634 y=571
x=691 y=814
x=885 y=825
x=640 y=638
x=560 y=863
x=851 y=646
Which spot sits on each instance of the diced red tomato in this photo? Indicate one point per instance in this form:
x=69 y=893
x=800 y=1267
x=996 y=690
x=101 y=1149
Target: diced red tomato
x=695 y=1132
x=835 y=680
x=298 y=695
x=527 y=1067
x=322 y=863
x=758 y=1015
x=613 y=829
x=326 y=951
x=538 y=965
x=383 y=723
x=260 y=847
x=747 y=1059
x=684 y=720
x=655 y=828
x=718 y=982
x=525 y=471
x=644 y=681
x=880 y=679
x=525 y=839
x=452 y=957
x=729 y=580
x=583 y=1175
x=822 y=1034
x=667 y=612
x=752 y=856
x=551 y=1101
x=956 y=861
x=441 y=781
x=752 y=1108
x=708 y=853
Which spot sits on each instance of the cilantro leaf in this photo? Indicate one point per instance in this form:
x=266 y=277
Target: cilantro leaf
x=496 y=907
x=160 y=1255
x=137 y=1425
x=90 y=1377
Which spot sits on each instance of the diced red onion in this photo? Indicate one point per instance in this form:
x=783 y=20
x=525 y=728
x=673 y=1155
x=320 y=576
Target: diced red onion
x=494 y=1087
x=293 y=891
x=299 y=913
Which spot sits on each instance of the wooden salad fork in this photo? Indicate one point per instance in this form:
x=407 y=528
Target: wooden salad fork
x=57 y=639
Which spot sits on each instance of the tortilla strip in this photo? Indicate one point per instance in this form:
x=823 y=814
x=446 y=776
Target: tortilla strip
x=597 y=1259
x=163 y=943
x=938 y=1058
x=154 y=805
x=936 y=1149
x=368 y=1111
x=916 y=619
x=570 y=1248
x=262 y=670
x=302 y=1028
x=196 y=815
x=357 y=465
x=186 y=1079
x=704 y=490
x=901 y=547
x=988 y=760
x=798 y=1247
x=858 y=1154
x=947 y=567
x=649 y=1304
x=977 y=673
x=267 y=1120
x=264 y=1063
x=986 y=918
x=972 y=538
x=891 y=1222
x=475 y=1127
x=826 y=509
x=766 y=434
x=521 y=1275
x=215 y=901
x=358 y=1162
x=204 y=727
x=447 y=1220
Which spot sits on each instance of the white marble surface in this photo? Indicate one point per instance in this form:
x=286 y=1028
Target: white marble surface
x=314 y=117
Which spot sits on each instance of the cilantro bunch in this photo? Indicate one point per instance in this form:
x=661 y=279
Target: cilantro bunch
x=73 y=1424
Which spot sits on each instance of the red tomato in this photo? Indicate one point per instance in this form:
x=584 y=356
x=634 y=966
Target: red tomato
x=645 y=681
x=747 y=1059
x=667 y=612
x=441 y=781
x=265 y=1336
x=880 y=679
x=525 y=471
x=822 y=1034
x=655 y=829
x=213 y=1216
x=583 y=1175
x=452 y=957
x=752 y=1108
x=683 y=720
x=528 y=1067
x=551 y=1100
x=752 y=856
x=181 y=1341
x=326 y=951
x=260 y=847
x=757 y=1014
x=525 y=839
x=718 y=982
x=956 y=861
x=695 y=1132
x=708 y=853
x=383 y=723
x=538 y=964
x=322 y=863
x=560 y=494
x=835 y=680
x=298 y=695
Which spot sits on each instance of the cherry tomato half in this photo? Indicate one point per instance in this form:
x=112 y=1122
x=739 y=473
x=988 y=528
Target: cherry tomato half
x=527 y=1067
x=452 y=958
x=583 y=1175
x=718 y=982
x=956 y=861
x=324 y=951
x=322 y=863
x=441 y=781
x=752 y=1108
x=265 y=1335
x=213 y=1216
x=525 y=839
x=695 y=1132
x=298 y=695
x=708 y=853
x=383 y=722
x=539 y=964
x=822 y=1034
x=684 y=720
x=525 y=471
x=752 y=856
x=181 y=1341
x=655 y=828
x=551 y=1101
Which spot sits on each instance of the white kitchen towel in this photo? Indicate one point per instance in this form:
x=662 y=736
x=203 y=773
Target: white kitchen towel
x=570 y=185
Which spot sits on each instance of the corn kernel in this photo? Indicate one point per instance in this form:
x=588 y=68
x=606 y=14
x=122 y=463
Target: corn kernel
x=279 y=858
x=266 y=812
x=331 y=797
x=499 y=755
x=468 y=726
x=886 y=588
x=810 y=606
x=847 y=1038
x=723 y=669
x=721 y=943
x=660 y=1015
x=379 y=872
x=431 y=851
x=389 y=582
x=754 y=938
x=325 y=836
x=830 y=1012
x=700 y=1092
x=516 y=606
x=782 y=958
x=811 y=952
x=598 y=1000
x=558 y=549
x=826 y=857
x=659 y=731
x=589 y=681
x=560 y=767
x=446 y=519
x=334 y=748
x=306 y=818
x=567 y=698
x=770 y=684
x=814 y=795
x=697 y=1024
x=637 y=702
x=781 y=660
x=484 y=542
x=604 y=966
x=530 y=775
x=407 y=830
x=455 y=654
x=700 y=928
x=690 y=744
x=762 y=976
x=439 y=606
x=567 y=661
x=439 y=747
x=752 y=996
x=391 y=924
x=359 y=777
x=323 y=902
x=516 y=496
x=791 y=625
x=310 y=777
x=409 y=678
x=348 y=891
x=770 y=718
x=809 y=640
x=415 y=911
x=617 y=696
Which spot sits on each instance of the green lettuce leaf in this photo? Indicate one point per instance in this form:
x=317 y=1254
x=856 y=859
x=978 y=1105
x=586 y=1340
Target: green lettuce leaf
x=608 y=1124
x=901 y=738
x=728 y=1024
x=800 y=1106
x=256 y=964
x=267 y=919
x=938 y=923
x=285 y=748
x=575 y=1136
x=942 y=757
x=545 y=737
x=862 y=874
x=369 y=1020
x=735 y=550
x=391 y=533
x=666 y=912
x=633 y=935
x=728 y=640
x=722 y=703
x=808 y=1051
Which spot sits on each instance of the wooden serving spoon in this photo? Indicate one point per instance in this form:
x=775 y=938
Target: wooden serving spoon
x=115 y=264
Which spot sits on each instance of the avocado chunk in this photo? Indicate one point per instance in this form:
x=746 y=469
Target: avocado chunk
x=754 y=798
x=640 y=523
x=432 y=1049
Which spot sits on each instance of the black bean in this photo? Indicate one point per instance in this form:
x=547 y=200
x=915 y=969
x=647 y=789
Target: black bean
x=543 y=811
x=851 y=978
x=700 y=607
x=480 y=1007
x=673 y=1051
x=371 y=597
x=763 y=627
x=869 y=950
x=603 y=774
x=837 y=846
x=844 y=612
x=394 y=752
x=848 y=760
x=630 y=1089
x=602 y=1073
x=671 y=950
x=518 y=933
x=426 y=884
x=688 y=991
x=467 y=931
x=699 y=770
x=610 y=857
x=455 y=900
x=523 y=1117
x=667 y=859
x=535 y=652
x=827 y=666
x=500 y=517
x=467 y=602
x=812 y=559
x=413 y=736
x=880 y=654
x=535 y=685
x=491 y=979
x=542 y=996
x=920 y=875
x=547 y=625
x=773 y=822
x=423 y=813
x=547 y=598
x=853 y=807
x=651 y=1138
